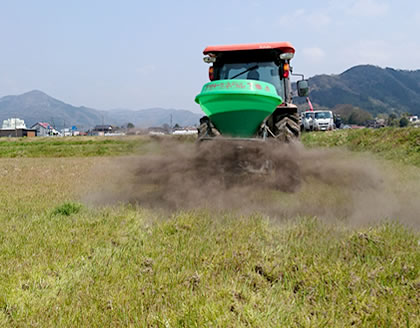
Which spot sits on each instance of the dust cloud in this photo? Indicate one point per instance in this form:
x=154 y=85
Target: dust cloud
x=278 y=180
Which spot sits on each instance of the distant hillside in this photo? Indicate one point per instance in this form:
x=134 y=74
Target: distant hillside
x=36 y=106
x=375 y=89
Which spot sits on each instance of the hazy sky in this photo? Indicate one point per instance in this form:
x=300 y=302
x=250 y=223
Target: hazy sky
x=141 y=54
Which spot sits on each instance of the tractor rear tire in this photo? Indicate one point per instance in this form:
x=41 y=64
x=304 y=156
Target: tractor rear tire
x=207 y=129
x=287 y=127
x=202 y=131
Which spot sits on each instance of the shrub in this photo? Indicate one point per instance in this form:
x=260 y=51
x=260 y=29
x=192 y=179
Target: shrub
x=403 y=122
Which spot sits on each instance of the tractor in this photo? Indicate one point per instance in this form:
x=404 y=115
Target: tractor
x=249 y=95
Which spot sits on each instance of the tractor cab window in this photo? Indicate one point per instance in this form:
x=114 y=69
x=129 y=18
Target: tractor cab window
x=321 y=115
x=261 y=71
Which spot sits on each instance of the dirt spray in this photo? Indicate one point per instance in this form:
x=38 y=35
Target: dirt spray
x=278 y=180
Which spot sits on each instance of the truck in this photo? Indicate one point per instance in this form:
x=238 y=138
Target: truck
x=317 y=120
x=307 y=121
x=323 y=120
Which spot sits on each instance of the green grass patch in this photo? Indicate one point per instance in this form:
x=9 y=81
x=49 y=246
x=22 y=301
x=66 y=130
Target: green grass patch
x=83 y=146
x=67 y=209
x=397 y=144
x=72 y=146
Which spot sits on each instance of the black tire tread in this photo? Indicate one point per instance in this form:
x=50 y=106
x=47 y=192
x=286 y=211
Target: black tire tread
x=287 y=127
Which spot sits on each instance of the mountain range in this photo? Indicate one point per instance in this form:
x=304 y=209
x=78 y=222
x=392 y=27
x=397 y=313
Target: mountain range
x=374 y=89
x=36 y=106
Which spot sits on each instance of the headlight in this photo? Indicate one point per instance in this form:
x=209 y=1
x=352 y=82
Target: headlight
x=287 y=55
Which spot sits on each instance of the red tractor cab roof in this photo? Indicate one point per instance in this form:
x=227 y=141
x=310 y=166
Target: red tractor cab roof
x=282 y=47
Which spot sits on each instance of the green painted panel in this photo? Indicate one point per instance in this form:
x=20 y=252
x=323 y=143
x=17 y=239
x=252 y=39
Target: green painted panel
x=238 y=107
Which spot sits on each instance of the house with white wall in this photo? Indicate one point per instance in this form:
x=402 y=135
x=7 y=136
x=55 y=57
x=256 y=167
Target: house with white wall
x=44 y=129
x=13 y=123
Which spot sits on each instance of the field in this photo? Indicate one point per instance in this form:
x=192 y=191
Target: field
x=341 y=251
x=402 y=145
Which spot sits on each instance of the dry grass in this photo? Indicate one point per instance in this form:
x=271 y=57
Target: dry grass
x=397 y=144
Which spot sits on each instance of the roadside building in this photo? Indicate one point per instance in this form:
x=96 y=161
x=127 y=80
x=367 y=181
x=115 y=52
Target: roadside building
x=413 y=118
x=42 y=129
x=66 y=132
x=17 y=133
x=15 y=127
x=414 y=121
x=70 y=132
x=376 y=123
x=101 y=130
x=155 y=130
x=75 y=131
x=13 y=123
x=185 y=131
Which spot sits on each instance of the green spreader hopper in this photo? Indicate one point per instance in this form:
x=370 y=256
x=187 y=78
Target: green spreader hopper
x=238 y=107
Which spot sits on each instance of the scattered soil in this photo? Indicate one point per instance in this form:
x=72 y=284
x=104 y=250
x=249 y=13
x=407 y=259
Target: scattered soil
x=278 y=180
